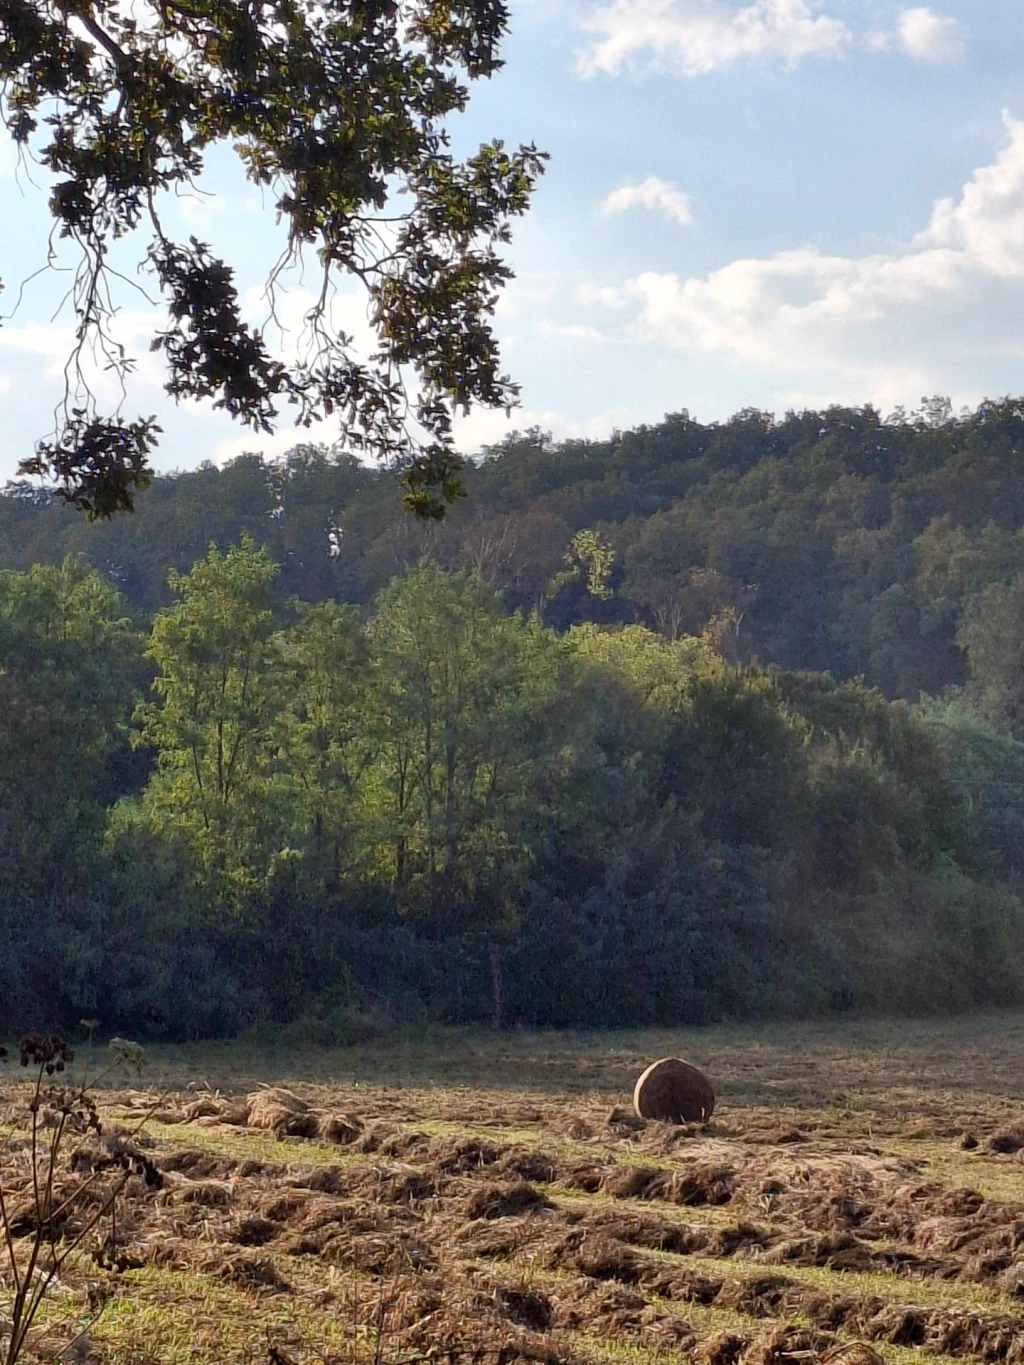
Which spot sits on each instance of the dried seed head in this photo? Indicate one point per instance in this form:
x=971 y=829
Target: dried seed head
x=47 y=1050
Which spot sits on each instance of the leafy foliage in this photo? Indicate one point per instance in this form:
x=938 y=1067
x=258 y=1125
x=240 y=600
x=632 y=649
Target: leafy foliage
x=833 y=542
x=69 y=662
x=339 y=110
x=465 y=706
x=443 y=809
x=212 y=727
x=571 y=756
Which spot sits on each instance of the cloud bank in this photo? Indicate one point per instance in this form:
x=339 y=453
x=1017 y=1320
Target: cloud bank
x=953 y=294
x=695 y=37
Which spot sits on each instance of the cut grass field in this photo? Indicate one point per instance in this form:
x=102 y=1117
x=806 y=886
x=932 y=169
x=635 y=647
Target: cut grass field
x=488 y=1201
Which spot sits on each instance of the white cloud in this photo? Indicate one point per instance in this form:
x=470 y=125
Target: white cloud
x=49 y=346
x=33 y=356
x=693 y=37
x=607 y=295
x=33 y=338
x=489 y=426
x=656 y=195
x=928 y=37
x=985 y=226
x=952 y=295
x=285 y=325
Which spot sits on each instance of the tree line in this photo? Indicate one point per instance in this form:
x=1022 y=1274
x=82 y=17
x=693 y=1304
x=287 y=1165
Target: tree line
x=886 y=549
x=245 y=810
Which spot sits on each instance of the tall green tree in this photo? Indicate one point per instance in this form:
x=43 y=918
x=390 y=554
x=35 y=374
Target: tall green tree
x=324 y=751
x=986 y=770
x=463 y=720
x=70 y=664
x=212 y=725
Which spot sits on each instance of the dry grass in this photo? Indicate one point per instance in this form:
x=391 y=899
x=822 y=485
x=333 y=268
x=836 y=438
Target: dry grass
x=470 y=1196
x=848 y=1065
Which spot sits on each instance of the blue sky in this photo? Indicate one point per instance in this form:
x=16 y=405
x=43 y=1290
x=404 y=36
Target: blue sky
x=769 y=203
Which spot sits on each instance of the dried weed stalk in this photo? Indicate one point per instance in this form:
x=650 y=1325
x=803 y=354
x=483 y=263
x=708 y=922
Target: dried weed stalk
x=48 y=1211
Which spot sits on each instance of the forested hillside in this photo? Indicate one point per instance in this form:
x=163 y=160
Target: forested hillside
x=888 y=550
x=698 y=722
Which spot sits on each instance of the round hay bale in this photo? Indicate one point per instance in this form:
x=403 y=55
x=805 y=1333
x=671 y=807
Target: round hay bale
x=674 y=1091
x=274 y=1107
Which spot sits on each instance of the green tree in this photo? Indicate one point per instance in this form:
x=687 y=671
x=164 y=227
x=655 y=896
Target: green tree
x=463 y=720
x=340 y=110
x=69 y=662
x=323 y=742
x=657 y=671
x=661 y=569
x=69 y=667
x=986 y=770
x=992 y=637
x=589 y=560
x=213 y=725
x=719 y=740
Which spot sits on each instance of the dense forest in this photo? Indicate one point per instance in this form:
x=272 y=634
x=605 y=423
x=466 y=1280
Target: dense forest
x=693 y=723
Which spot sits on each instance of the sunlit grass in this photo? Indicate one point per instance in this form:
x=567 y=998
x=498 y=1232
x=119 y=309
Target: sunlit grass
x=885 y=1284
x=862 y=1071
x=248 y=1144
x=181 y=1316
x=868 y=1095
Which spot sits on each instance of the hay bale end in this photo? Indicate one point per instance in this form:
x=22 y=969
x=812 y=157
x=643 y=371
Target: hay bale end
x=675 y=1092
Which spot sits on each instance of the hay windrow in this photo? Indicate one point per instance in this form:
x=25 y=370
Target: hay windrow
x=562 y=1229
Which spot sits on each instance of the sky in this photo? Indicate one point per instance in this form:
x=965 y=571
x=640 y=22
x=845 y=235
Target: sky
x=750 y=203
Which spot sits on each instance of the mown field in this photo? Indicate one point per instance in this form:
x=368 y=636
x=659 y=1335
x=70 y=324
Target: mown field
x=471 y=1197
